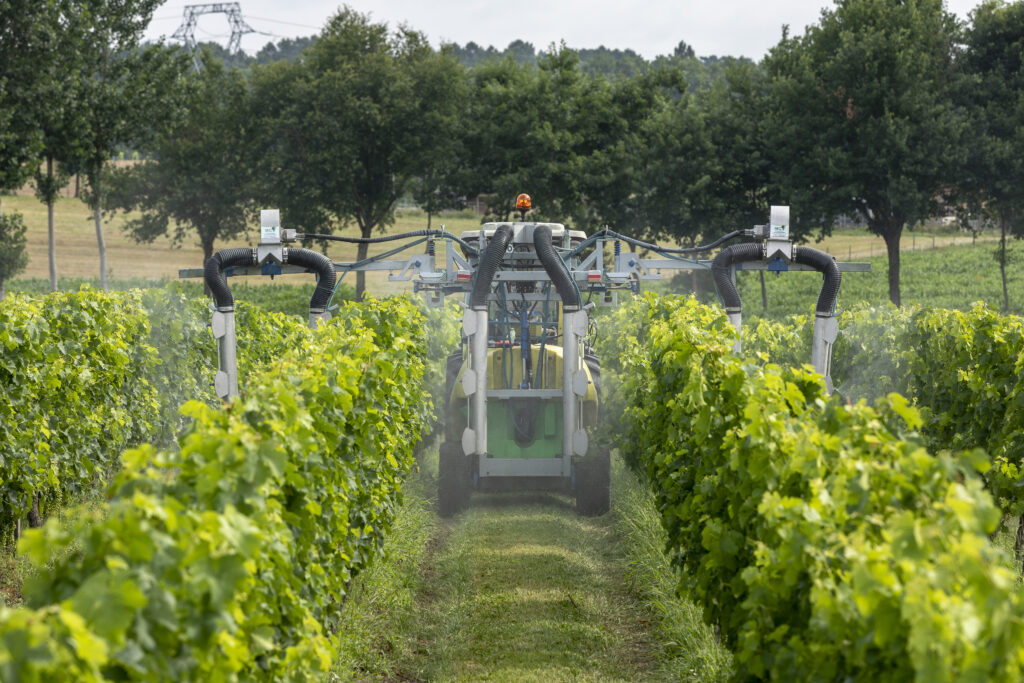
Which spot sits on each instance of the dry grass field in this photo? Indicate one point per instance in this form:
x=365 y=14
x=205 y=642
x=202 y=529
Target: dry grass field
x=78 y=255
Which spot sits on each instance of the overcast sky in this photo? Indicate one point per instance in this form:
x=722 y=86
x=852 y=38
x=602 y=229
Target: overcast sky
x=719 y=27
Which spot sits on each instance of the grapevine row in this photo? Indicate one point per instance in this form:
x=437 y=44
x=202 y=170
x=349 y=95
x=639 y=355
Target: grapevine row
x=229 y=558
x=962 y=369
x=824 y=539
x=83 y=375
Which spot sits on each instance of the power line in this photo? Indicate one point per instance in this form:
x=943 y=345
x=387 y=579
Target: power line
x=286 y=23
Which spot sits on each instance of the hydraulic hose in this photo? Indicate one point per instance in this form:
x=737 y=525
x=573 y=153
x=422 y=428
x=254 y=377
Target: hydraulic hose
x=720 y=270
x=214 y=273
x=489 y=262
x=443 y=234
x=323 y=266
x=556 y=269
x=655 y=247
x=828 y=267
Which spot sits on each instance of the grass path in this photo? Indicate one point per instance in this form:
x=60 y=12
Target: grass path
x=521 y=588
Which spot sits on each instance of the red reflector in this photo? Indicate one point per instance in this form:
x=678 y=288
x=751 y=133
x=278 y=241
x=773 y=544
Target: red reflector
x=463 y=275
x=593 y=276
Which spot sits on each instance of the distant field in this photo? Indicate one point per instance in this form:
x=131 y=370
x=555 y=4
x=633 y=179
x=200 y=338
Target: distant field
x=78 y=257
x=947 y=277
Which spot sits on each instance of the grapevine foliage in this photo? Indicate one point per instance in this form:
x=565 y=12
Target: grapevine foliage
x=962 y=369
x=85 y=374
x=823 y=538
x=229 y=558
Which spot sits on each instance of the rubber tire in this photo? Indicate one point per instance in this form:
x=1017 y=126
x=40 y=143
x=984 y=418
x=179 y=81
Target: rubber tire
x=451 y=374
x=454 y=480
x=593 y=483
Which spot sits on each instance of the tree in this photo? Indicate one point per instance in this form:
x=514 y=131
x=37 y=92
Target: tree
x=289 y=49
x=432 y=188
x=615 y=149
x=124 y=95
x=992 y=80
x=504 y=152
x=611 y=63
x=348 y=127
x=200 y=179
x=37 y=76
x=13 y=258
x=59 y=124
x=570 y=140
x=472 y=54
x=682 y=170
x=860 y=119
x=706 y=168
x=28 y=33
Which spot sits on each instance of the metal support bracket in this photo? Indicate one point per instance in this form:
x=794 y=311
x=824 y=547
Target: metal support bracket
x=225 y=382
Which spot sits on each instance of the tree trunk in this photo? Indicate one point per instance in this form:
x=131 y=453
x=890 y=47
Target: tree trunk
x=207 y=245
x=1002 y=263
x=3 y=289
x=428 y=220
x=98 y=216
x=35 y=520
x=49 y=226
x=365 y=231
x=764 y=293
x=102 y=247
x=1018 y=543
x=891 y=233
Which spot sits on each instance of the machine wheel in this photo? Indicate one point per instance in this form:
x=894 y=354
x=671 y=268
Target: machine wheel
x=593 y=483
x=452 y=367
x=454 y=481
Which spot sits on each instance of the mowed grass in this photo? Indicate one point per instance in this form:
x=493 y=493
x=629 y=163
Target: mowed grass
x=524 y=589
x=78 y=254
x=689 y=650
x=520 y=588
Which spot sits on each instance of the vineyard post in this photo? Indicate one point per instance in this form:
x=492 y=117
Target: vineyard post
x=764 y=292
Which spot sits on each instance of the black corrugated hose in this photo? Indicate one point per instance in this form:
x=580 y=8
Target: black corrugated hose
x=720 y=269
x=828 y=267
x=214 y=273
x=306 y=258
x=556 y=269
x=489 y=262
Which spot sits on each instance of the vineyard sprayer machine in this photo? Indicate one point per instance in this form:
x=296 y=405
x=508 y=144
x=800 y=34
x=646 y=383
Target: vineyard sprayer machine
x=522 y=392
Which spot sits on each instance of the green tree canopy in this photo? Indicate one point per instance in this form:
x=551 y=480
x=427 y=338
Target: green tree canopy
x=344 y=130
x=991 y=92
x=573 y=142
x=13 y=258
x=861 y=119
x=200 y=182
x=29 y=34
x=125 y=95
